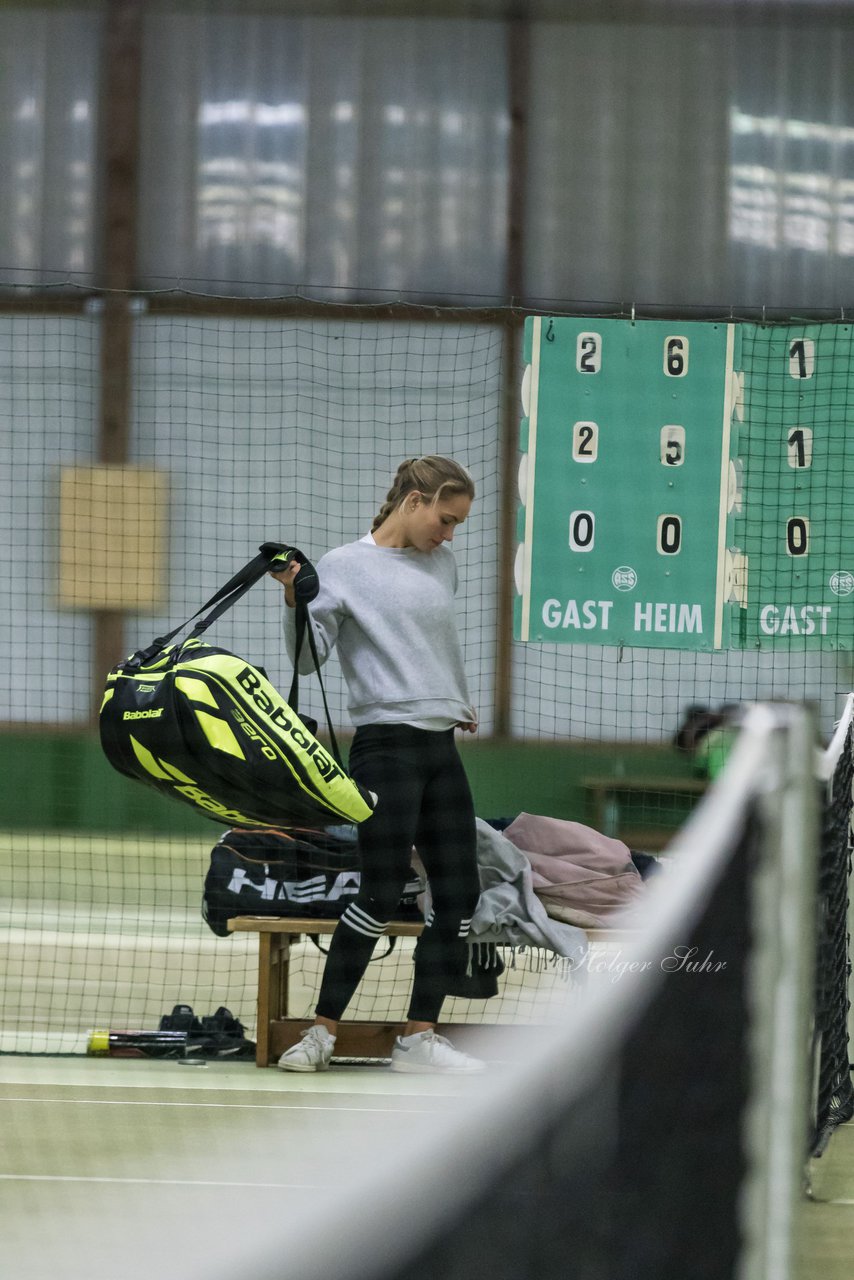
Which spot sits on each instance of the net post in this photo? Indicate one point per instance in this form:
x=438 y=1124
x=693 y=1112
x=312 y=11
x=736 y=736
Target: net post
x=781 y=986
x=833 y=1093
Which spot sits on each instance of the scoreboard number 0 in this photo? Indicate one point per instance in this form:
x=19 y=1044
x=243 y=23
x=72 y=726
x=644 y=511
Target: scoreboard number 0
x=797 y=536
x=669 y=535
x=582 y=528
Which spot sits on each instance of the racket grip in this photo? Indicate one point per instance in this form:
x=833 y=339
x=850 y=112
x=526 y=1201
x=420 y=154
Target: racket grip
x=306 y=582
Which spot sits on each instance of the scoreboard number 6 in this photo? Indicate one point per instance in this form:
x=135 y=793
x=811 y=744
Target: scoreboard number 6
x=675 y=356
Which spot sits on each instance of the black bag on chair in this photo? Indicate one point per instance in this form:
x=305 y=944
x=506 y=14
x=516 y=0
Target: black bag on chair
x=295 y=872
x=207 y=727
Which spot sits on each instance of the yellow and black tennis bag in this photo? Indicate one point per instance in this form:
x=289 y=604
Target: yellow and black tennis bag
x=207 y=727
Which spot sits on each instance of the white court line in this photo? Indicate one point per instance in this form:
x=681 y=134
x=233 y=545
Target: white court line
x=230 y=1106
x=157 y=1182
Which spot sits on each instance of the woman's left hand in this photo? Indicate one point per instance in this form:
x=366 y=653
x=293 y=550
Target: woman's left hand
x=467 y=726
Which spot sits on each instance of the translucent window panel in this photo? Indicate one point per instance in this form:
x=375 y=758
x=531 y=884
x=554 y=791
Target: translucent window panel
x=292 y=431
x=627 y=162
x=48 y=381
x=791 y=190
x=49 y=63
x=350 y=154
x=692 y=164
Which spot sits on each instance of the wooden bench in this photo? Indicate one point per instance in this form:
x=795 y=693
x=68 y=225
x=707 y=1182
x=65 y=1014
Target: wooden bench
x=278 y=1029
x=611 y=796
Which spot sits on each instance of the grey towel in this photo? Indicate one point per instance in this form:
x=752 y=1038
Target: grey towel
x=509 y=912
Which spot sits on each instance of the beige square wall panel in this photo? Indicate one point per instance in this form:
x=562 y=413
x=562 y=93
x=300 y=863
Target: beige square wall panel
x=113 y=523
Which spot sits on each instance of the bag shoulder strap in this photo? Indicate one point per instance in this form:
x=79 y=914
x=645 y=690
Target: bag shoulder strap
x=233 y=590
x=304 y=627
x=306 y=586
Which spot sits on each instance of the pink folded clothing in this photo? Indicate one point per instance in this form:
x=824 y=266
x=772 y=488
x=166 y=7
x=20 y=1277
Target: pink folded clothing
x=580 y=876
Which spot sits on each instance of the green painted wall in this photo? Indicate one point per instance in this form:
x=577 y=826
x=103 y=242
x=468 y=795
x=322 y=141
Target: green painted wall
x=61 y=781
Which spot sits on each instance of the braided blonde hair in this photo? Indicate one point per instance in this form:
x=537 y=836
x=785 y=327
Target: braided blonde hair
x=431 y=476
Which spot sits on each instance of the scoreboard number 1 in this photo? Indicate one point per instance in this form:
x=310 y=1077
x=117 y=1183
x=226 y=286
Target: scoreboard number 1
x=802 y=357
x=799 y=447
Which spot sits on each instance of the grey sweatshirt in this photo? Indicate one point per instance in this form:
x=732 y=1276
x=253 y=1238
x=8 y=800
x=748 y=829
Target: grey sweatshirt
x=390 y=612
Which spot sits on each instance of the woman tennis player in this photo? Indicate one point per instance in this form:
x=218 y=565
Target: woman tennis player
x=387 y=601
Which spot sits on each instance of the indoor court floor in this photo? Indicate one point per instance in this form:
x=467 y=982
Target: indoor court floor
x=129 y=1167
x=133 y=1167
x=826 y=1244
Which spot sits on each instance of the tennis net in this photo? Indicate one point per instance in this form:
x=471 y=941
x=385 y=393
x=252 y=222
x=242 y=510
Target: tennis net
x=834 y=1093
x=659 y=1130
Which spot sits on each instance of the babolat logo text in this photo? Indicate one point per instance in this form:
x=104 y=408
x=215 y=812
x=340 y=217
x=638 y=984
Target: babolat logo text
x=153 y=714
x=249 y=680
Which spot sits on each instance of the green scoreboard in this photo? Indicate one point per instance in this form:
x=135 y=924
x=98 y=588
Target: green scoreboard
x=628 y=483
x=796 y=528
x=682 y=485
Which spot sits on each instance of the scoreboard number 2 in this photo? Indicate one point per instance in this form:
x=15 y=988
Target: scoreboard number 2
x=585 y=442
x=588 y=353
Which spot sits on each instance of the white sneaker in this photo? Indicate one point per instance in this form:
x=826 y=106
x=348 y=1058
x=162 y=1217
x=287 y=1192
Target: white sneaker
x=425 y=1053
x=311 y=1054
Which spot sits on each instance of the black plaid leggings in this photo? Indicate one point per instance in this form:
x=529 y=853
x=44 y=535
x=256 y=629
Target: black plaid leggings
x=424 y=800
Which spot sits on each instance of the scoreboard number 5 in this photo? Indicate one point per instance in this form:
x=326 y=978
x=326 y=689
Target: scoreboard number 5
x=672 y=446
